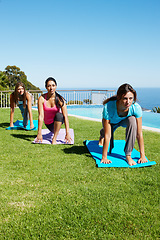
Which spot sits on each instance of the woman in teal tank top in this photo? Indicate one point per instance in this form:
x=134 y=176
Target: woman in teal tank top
x=122 y=110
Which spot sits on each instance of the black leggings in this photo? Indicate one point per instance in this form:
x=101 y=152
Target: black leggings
x=58 y=118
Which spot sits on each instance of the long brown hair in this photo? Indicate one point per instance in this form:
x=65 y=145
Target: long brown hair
x=15 y=93
x=122 y=90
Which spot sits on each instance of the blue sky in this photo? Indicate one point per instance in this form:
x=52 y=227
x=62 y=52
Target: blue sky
x=82 y=43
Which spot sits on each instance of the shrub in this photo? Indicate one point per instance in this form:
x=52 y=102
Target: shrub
x=156 y=110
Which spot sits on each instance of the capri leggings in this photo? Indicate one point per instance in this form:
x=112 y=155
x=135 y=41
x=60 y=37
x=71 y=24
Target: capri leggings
x=25 y=114
x=58 y=118
x=131 y=132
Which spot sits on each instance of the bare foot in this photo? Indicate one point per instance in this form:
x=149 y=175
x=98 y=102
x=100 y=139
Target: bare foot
x=130 y=160
x=101 y=140
x=54 y=141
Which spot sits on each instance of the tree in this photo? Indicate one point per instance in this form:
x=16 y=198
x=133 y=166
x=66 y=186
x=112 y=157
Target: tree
x=3 y=81
x=14 y=75
x=74 y=102
x=87 y=101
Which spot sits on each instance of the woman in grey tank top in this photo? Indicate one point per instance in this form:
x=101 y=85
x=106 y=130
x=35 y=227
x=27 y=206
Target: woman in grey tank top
x=23 y=100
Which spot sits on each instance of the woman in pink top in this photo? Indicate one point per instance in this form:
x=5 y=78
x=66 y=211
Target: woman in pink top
x=52 y=109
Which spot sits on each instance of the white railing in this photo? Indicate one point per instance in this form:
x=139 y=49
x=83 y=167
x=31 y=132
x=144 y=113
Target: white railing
x=5 y=97
x=71 y=96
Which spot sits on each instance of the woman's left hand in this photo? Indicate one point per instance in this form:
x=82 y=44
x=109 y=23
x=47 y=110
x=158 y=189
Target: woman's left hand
x=31 y=126
x=142 y=160
x=68 y=138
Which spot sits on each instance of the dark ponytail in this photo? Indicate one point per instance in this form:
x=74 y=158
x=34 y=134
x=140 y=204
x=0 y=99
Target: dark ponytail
x=113 y=98
x=59 y=98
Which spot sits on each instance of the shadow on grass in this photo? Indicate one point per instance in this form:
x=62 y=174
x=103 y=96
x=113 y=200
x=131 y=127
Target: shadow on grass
x=77 y=150
x=4 y=125
x=24 y=136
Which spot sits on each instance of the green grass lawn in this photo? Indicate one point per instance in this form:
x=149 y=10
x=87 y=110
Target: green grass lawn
x=57 y=192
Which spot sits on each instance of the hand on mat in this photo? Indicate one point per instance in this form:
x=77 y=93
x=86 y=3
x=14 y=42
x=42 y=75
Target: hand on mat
x=105 y=160
x=31 y=126
x=68 y=138
x=39 y=138
x=142 y=160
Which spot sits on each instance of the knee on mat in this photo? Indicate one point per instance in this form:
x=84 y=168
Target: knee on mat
x=102 y=133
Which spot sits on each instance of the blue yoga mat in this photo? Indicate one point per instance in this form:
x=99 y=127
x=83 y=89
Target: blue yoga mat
x=18 y=125
x=117 y=156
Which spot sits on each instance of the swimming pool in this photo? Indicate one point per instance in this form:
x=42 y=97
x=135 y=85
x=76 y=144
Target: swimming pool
x=150 y=119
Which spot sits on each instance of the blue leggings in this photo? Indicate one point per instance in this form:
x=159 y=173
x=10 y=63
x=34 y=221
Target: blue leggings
x=25 y=114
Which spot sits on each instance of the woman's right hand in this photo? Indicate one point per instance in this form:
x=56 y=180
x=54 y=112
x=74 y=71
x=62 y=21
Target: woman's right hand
x=39 y=138
x=105 y=160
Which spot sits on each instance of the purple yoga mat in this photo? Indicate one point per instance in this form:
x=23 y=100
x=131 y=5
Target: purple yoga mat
x=47 y=136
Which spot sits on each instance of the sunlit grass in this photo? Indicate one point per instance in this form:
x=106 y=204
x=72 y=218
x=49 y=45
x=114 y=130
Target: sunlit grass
x=56 y=192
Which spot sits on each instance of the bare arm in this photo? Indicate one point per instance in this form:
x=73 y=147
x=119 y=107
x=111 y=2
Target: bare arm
x=29 y=103
x=12 y=105
x=107 y=137
x=40 y=118
x=66 y=122
x=140 y=141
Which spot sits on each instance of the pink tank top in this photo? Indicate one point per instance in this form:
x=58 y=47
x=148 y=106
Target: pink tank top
x=49 y=113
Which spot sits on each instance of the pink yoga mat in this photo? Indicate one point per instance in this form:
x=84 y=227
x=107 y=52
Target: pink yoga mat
x=47 y=136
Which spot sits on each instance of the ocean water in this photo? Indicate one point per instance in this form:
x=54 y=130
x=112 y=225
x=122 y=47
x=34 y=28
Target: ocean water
x=149 y=119
x=148 y=98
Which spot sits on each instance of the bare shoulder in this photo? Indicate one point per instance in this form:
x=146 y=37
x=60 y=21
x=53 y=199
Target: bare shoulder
x=28 y=95
x=41 y=98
